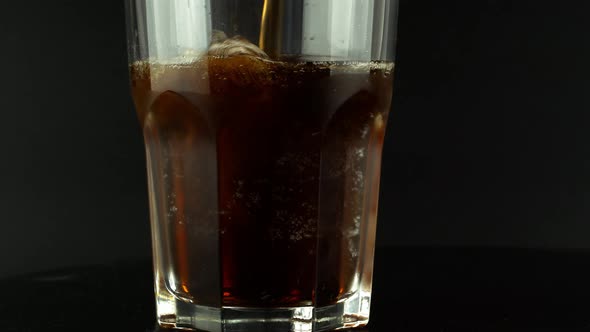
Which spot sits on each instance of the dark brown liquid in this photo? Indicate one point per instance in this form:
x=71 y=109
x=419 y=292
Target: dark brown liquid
x=265 y=175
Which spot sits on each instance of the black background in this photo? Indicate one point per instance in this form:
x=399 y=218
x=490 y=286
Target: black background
x=487 y=142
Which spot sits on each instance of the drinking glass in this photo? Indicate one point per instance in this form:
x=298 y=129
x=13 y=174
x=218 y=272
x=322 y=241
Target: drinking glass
x=263 y=123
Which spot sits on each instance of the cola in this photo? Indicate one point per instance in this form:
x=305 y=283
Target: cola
x=264 y=175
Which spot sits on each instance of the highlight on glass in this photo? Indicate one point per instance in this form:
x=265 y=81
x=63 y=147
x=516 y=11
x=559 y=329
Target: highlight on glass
x=263 y=123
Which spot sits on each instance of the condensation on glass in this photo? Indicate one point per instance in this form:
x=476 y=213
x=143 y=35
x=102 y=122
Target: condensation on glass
x=263 y=124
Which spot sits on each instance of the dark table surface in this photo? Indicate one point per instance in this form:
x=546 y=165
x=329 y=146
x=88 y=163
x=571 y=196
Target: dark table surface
x=415 y=289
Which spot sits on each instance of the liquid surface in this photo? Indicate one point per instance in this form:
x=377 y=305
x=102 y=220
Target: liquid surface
x=264 y=175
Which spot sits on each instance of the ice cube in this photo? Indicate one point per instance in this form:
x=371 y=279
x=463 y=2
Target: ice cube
x=236 y=45
x=173 y=114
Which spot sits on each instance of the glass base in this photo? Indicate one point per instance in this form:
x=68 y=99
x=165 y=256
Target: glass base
x=350 y=313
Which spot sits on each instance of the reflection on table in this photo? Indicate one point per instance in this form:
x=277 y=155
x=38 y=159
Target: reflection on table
x=415 y=289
